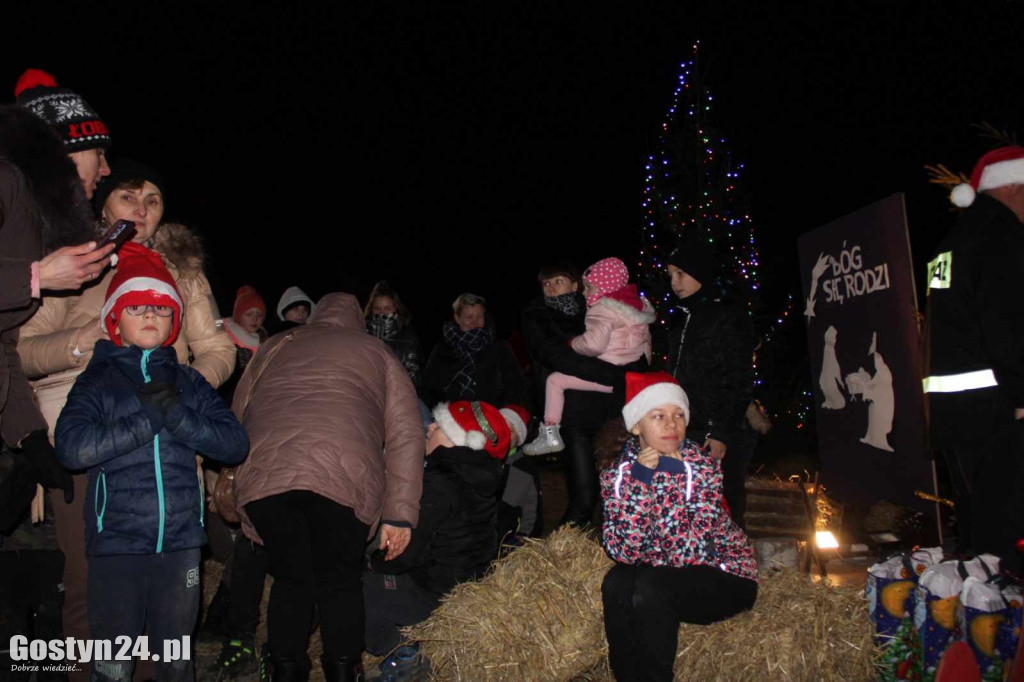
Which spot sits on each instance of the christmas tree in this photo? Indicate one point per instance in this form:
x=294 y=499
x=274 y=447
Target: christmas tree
x=694 y=185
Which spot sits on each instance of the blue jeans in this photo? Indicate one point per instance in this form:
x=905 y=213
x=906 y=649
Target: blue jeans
x=156 y=592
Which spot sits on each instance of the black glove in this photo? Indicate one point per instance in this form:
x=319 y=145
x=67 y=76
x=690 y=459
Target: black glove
x=156 y=392
x=153 y=396
x=16 y=493
x=43 y=466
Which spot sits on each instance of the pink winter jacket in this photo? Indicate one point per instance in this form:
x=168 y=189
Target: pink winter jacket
x=332 y=412
x=616 y=332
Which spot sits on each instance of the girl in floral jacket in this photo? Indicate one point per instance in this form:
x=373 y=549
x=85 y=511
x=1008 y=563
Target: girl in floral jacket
x=679 y=555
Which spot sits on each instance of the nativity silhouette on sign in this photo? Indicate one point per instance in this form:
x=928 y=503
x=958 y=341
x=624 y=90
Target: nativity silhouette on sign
x=875 y=389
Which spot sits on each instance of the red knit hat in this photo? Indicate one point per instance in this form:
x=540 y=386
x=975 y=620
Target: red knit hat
x=998 y=168
x=141 y=279
x=648 y=390
x=517 y=418
x=476 y=425
x=246 y=299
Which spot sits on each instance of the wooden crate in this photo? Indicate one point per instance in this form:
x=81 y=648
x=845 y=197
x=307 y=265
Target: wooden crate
x=782 y=509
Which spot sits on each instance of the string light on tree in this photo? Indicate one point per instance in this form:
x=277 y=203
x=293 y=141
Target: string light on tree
x=694 y=185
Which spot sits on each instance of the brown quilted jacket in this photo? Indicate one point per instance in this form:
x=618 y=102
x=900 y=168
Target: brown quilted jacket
x=333 y=412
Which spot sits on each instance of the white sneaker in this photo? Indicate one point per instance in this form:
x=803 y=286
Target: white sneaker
x=547 y=441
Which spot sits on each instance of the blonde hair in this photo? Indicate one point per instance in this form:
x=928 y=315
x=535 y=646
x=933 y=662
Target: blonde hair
x=466 y=300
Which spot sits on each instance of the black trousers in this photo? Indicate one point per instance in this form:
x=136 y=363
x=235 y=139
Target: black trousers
x=739 y=452
x=316 y=551
x=644 y=605
x=585 y=414
x=988 y=485
x=250 y=563
x=393 y=601
x=158 y=594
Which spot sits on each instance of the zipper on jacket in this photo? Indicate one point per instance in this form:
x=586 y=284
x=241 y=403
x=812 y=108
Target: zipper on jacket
x=156 y=464
x=97 y=508
x=682 y=338
x=202 y=499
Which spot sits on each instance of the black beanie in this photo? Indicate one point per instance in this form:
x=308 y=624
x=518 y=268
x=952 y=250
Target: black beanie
x=695 y=257
x=122 y=171
x=78 y=124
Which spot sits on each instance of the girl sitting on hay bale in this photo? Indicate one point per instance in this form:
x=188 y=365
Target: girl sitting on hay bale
x=680 y=557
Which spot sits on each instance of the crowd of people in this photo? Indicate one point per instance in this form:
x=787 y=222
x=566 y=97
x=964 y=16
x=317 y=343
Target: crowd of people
x=321 y=447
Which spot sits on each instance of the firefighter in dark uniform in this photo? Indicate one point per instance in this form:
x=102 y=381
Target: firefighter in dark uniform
x=975 y=382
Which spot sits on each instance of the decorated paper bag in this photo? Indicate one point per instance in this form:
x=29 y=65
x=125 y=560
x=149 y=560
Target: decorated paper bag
x=936 y=600
x=989 y=618
x=984 y=567
x=890 y=588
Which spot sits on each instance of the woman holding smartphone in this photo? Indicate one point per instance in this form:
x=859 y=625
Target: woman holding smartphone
x=57 y=343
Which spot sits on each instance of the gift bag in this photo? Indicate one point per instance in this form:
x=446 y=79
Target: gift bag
x=890 y=588
x=935 y=605
x=984 y=567
x=989 y=618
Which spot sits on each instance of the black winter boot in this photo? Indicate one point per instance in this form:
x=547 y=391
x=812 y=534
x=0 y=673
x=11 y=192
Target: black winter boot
x=289 y=669
x=343 y=669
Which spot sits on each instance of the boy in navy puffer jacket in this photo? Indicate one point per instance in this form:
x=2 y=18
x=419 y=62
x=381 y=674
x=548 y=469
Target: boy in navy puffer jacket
x=135 y=419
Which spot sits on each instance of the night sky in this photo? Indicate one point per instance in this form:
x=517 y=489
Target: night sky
x=454 y=150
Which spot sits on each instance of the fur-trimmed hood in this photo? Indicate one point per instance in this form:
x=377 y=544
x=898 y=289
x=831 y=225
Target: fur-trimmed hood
x=31 y=146
x=181 y=247
x=645 y=316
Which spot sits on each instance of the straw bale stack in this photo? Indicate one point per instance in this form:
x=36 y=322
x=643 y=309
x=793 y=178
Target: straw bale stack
x=538 y=616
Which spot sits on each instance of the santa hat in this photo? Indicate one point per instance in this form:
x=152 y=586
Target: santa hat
x=245 y=300
x=517 y=418
x=141 y=279
x=78 y=124
x=475 y=425
x=606 y=275
x=998 y=168
x=648 y=390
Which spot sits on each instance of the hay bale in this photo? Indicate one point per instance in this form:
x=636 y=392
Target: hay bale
x=538 y=616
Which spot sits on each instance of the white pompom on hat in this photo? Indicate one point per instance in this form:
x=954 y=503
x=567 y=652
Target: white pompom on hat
x=648 y=390
x=476 y=425
x=999 y=168
x=517 y=418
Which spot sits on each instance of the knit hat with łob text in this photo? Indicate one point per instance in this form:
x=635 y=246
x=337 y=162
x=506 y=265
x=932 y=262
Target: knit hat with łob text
x=78 y=124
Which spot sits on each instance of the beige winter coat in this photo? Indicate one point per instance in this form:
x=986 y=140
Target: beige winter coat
x=332 y=412
x=50 y=337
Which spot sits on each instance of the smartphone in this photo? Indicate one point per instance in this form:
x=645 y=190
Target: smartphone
x=121 y=232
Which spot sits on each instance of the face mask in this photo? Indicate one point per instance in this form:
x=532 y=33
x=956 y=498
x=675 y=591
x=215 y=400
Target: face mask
x=382 y=326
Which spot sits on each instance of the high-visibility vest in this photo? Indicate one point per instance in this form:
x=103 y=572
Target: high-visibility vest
x=955 y=383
